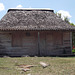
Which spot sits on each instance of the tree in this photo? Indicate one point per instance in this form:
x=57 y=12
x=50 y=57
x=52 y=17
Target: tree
x=66 y=19
x=59 y=15
x=72 y=24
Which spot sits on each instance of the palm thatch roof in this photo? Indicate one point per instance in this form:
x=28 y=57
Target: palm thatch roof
x=33 y=19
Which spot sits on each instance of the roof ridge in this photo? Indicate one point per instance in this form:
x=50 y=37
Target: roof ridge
x=30 y=9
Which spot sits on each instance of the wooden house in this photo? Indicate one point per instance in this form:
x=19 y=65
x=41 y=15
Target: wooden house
x=34 y=32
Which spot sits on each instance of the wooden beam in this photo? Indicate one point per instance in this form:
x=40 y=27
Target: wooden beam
x=38 y=43
x=71 y=40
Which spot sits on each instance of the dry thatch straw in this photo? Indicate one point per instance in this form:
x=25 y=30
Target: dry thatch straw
x=32 y=19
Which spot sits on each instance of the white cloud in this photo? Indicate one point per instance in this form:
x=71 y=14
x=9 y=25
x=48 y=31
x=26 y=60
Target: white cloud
x=19 y=6
x=64 y=14
x=2 y=7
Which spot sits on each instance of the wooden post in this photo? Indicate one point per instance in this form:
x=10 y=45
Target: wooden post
x=38 y=44
x=71 y=40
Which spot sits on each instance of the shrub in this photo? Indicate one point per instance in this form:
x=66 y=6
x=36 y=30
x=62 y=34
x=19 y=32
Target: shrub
x=73 y=50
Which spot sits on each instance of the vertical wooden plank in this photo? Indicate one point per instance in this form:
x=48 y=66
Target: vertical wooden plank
x=49 y=43
x=42 y=43
x=71 y=40
x=38 y=43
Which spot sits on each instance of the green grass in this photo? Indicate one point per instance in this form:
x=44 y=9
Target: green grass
x=58 y=66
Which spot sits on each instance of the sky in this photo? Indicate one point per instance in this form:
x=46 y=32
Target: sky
x=65 y=7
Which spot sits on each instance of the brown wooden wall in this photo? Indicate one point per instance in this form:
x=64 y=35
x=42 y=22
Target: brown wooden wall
x=18 y=43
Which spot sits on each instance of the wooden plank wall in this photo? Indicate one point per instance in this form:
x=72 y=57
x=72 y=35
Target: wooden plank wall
x=42 y=43
x=30 y=43
x=5 y=42
x=17 y=39
x=27 y=44
x=51 y=43
x=18 y=43
x=54 y=43
x=67 y=42
x=59 y=43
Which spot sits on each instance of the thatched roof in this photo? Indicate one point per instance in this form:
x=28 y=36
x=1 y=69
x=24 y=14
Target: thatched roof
x=33 y=19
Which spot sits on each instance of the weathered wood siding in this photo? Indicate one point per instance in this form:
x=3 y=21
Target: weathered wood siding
x=18 y=43
x=17 y=39
x=58 y=42
x=30 y=43
x=26 y=44
x=51 y=43
x=67 y=42
x=5 y=43
x=42 y=43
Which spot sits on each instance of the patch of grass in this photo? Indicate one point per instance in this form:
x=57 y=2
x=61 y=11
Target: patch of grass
x=58 y=66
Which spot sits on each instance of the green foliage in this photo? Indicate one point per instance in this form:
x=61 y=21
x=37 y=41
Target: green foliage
x=73 y=42
x=73 y=39
x=66 y=19
x=58 y=14
x=73 y=50
x=72 y=24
